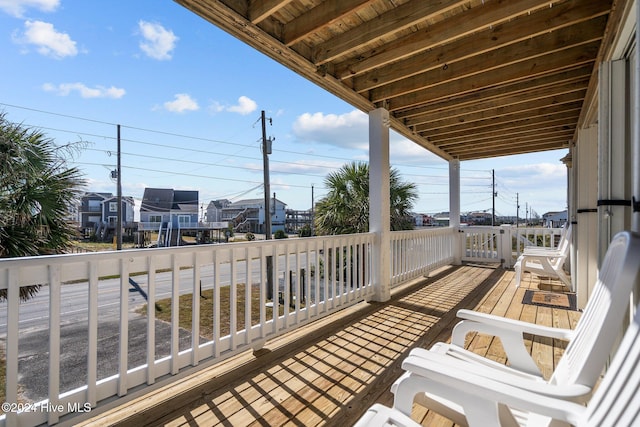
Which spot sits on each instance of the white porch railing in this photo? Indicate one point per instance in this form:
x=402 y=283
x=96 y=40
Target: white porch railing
x=503 y=244
x=415 y=253
x=330 y=273
x=89 y=295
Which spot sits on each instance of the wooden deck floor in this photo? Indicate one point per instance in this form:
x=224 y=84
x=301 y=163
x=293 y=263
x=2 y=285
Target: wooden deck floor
x=328 y=374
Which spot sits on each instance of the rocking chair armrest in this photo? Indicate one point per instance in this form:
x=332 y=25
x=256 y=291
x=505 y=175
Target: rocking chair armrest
x=474 y=321
x=479 y=393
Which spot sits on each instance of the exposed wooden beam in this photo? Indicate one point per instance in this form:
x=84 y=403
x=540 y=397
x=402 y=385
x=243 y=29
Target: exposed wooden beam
x=543 y=115
x=521 y=88
x=479 y=45
x=551 y=142
x=510 y=150
x=559 y=42
x=463 y=24
x=524 y=70
x=507 y=109
x=393 y=21
x=259 y=10
x=321 y=16
x=532 y=129
x=538 y=97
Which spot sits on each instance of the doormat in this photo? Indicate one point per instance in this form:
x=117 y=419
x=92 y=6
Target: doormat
x=550 y=299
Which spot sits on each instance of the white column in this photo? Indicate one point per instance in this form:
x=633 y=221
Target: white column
x=613 y=153
x=454 y=206
x=379 y=203
x=635 y=144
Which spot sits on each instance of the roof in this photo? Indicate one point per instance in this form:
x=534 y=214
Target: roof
x=103 y=196
x=167 y=199
x=465 y=79
x=157 y=199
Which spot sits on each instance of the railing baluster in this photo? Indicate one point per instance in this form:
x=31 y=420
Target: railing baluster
x=124 y=329
x=247 y=296
x=151 y=320
x=54 y=342
x=233 y=300
x=195 y=310
x=216 y=304
x=175 y=314
x=13 y=328
x=92 y=340
x=263 y=291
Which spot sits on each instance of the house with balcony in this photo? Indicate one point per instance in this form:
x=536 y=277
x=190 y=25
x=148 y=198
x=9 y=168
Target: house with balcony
x=248 y=215
x=214 y=209
x=98 y=214
x=166 y=207
x=169 y=213
x=464 y=80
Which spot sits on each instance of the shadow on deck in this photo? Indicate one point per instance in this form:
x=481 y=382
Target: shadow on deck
x=329 y=372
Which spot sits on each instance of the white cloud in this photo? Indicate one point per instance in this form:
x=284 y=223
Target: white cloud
x=65 y=89
x=300 y=167
x=349 y=130
x=158 y=42
x=244 y=106
x=48 y=41
x=18 y=7
x=183 y=102
x=533 y=175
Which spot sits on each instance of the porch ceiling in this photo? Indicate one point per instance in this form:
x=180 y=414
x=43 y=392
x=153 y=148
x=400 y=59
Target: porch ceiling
x=464 y=79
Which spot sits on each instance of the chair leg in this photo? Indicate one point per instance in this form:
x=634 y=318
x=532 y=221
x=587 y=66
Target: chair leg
x=518 y=268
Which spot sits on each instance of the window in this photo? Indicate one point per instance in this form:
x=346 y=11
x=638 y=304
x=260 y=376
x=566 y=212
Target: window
x=155 y=218
x=113 y=206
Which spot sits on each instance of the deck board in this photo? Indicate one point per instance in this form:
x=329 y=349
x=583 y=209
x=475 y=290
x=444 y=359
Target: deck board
x=329 y=374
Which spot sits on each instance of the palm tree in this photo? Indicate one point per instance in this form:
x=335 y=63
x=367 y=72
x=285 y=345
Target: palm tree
x=36 y=190
x=345 y=209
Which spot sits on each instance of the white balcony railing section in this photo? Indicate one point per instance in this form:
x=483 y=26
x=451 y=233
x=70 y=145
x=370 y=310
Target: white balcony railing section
x=85 y=310
x=503 y=244
x=417 y=252
x=90 y=293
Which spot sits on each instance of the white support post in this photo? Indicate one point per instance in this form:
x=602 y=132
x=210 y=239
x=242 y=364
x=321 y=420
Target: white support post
x=635 y=144
x=379 y=203
x=613 y=153
x=454 y=207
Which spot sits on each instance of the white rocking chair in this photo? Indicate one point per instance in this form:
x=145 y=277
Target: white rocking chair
x=545 y=261
x=490 y=403
x=578 y=369
x=565 y=239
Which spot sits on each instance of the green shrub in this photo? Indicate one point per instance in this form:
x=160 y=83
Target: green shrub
x=280 y=234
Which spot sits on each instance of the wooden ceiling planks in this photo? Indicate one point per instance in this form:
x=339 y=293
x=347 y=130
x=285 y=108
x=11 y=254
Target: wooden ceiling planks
x=465 y=79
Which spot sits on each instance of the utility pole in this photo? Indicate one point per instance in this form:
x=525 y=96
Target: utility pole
x=312 y=211
x=266 y=150
x=493 y=197
x=119 y=211
x=517 y=210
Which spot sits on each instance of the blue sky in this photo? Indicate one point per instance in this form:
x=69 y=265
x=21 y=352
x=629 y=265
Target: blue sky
x=188 y=98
